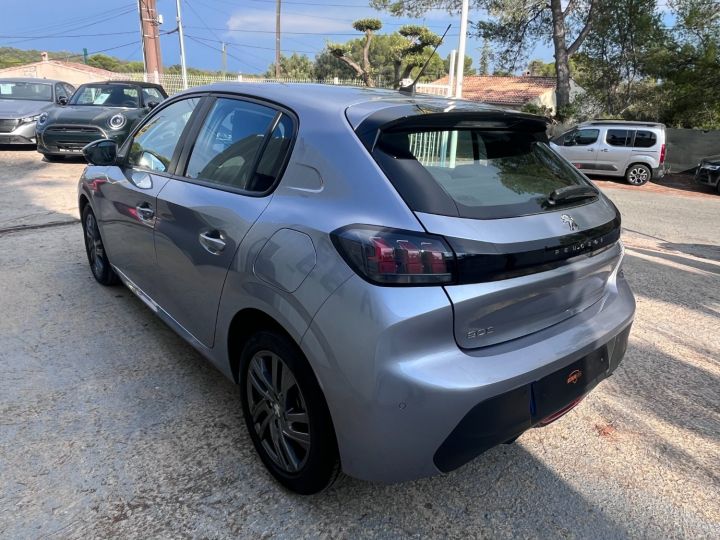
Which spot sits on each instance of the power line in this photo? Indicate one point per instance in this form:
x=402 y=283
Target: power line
x=242 y=61
x=354 y=34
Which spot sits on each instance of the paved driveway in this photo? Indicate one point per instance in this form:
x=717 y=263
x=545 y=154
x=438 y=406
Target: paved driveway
x=110 y=425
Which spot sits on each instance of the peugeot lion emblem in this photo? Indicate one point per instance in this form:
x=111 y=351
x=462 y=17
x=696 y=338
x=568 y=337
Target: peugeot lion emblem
x=569 y=221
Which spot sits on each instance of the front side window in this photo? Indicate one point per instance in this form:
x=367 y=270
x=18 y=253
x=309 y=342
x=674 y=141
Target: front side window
x=152 y=94
x=618 y=137
x=230 y=142
x=485 y=173
x=153 y=146
x=107 y=95
x=645 y=139
x=25 y=91
x=584 y=137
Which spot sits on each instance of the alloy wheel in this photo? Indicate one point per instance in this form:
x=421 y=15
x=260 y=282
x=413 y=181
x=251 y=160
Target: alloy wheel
x=278 y=411
x=94 y=245
x=638 y=176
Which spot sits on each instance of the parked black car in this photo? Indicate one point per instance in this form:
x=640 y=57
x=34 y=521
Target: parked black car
x=103 y=110
x=708 y=172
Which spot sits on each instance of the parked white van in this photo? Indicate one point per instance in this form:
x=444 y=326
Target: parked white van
x=635 y=150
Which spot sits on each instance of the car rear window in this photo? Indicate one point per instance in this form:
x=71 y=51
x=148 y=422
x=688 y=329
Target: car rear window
x=473 y=173
x=644 y=139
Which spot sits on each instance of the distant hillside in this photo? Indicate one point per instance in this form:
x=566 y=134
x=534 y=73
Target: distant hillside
x=10 y=56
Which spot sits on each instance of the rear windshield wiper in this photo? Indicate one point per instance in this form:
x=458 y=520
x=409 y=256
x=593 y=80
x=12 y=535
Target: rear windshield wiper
x=570 y=194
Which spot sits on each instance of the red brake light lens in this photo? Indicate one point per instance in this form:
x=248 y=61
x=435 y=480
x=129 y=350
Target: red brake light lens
x=662 y=154
x=395 y=257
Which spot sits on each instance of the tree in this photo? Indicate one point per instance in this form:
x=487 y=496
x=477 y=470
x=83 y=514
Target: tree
x=687 y=67
x=539 y=68
x=295 y=66
x=467 y=68
x=613 y=62
x=369 y=27
x=486 y=58
x=103 y=61
x=391 y=57
x=515 y=24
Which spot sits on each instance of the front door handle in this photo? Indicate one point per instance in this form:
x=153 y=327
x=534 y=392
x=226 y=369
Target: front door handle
x=590 y=149
x=213 y=241
x=145 y=212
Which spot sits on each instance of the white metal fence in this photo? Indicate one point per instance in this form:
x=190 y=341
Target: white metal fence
x=172 y=82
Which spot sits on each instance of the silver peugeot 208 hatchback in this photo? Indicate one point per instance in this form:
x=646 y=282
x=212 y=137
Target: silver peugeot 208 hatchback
x=396 y=283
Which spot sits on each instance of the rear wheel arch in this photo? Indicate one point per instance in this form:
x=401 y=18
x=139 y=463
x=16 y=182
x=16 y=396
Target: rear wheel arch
x=246 y=323
x=83 y=202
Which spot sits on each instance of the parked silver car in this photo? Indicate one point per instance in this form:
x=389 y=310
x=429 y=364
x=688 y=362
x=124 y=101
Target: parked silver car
x=22 y=101
x=396 y=283
x=633 y=150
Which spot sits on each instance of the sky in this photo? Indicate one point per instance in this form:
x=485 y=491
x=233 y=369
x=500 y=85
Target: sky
x=247 y=26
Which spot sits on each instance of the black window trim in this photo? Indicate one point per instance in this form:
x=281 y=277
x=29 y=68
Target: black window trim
x=187 y=146
x=124 y=149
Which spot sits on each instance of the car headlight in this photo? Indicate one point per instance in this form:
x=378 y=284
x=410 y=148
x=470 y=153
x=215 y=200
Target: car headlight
x=42 y=119
x=711 y=167
x=117 y=121
x=29 y=119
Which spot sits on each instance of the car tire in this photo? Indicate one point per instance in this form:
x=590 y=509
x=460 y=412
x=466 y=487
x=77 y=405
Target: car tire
x=95 y=249
x=53 y=158
x=286 y=414
x=638 y=174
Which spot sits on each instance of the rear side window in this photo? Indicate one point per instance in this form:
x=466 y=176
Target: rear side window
x=229 y=143
x=483 y=174
x=645 y=139
x=618 y=137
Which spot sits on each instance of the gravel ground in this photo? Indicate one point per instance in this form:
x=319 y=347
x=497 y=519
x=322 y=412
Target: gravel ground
x=110 y=425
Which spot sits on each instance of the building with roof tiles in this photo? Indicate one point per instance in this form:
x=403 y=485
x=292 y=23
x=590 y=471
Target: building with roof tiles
x=513 y=91
x=71 y=72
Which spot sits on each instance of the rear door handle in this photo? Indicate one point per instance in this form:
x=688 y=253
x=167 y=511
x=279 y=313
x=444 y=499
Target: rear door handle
x=145 y=212
x=212 y=241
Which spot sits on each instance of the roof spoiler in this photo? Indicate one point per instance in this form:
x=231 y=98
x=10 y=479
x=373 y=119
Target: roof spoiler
x=417 y=118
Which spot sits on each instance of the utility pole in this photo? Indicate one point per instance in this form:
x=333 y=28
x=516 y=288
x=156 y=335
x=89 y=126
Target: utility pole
x=277 y=39
x=461 y=48
x=150 y=33
x=181 y=36
x=224 y=59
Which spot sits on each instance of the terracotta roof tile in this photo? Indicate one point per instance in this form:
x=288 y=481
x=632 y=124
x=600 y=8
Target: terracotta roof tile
x=503 y=90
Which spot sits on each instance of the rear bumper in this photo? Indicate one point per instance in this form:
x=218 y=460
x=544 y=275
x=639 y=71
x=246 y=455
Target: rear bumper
x=504 y=417
x=659 y=172
x=406 y=402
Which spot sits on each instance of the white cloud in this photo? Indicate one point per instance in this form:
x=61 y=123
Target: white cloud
x=290 y=22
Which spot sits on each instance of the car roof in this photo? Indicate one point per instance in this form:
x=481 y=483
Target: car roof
x=356 y=102
x=31 y=80
x=632 y=123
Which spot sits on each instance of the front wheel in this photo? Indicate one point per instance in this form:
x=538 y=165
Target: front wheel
x=638 y=174
x=286 y=414
x=99 y=263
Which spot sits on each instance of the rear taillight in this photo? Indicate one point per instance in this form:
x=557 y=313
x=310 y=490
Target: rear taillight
x=395 y=257
x=662 y=154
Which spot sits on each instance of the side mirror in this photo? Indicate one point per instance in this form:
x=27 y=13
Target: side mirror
x=152 y=104
x=63 y=100
x=102 y=152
